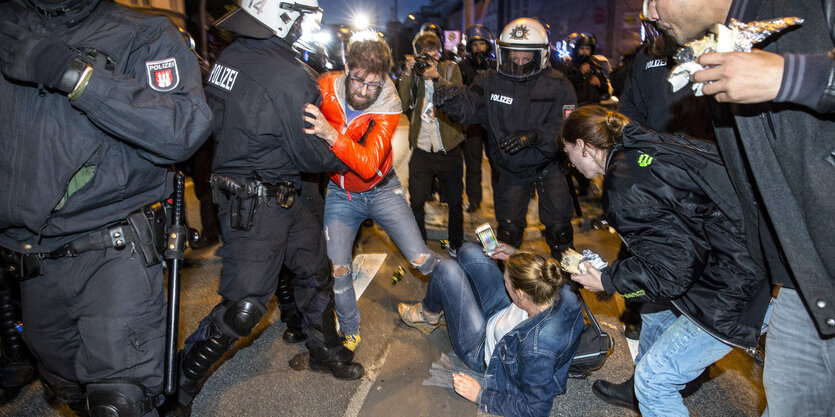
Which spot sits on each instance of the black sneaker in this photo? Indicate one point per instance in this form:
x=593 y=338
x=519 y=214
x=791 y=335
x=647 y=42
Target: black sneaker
x=471 y=208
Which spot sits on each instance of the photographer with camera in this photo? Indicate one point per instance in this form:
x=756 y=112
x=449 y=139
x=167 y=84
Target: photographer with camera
x=433 y=137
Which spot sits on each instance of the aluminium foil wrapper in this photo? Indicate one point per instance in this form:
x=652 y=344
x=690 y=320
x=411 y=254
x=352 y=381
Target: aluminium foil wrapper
x=737 y=36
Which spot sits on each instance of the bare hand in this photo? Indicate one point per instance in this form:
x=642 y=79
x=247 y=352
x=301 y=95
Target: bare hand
x=502 y=252
x=466 y=386
x=590 y=280
x=585 y=68
x=320 y=126
x=741 y=77
x=432 y=70
x=594 y=81
x=409 y=64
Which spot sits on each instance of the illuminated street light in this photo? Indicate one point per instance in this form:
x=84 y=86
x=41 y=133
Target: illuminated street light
x=361 y=21
x=411 y=16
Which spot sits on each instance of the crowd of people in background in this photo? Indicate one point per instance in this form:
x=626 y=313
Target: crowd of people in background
x=721 y=199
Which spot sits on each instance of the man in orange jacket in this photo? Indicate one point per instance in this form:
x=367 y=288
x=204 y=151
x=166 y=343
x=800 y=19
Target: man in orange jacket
x=359 y=113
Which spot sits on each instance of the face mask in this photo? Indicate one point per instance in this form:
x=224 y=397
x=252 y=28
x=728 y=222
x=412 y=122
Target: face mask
x=480 y=59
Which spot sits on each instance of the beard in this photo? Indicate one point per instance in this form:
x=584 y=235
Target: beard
x=357 y=100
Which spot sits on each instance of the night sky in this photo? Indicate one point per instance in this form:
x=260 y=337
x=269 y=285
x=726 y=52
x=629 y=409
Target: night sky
x=341 y=11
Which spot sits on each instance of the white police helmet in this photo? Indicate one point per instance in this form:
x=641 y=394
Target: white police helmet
x=264 y=19
x=522 y=49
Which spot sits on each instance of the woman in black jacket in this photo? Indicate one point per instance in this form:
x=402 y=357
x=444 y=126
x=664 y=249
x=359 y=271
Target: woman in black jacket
x=670 y=199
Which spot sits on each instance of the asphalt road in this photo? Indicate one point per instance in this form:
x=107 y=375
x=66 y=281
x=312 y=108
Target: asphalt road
x=263 y=376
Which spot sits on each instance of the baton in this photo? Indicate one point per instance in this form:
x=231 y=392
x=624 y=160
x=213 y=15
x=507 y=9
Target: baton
x=174 y=255
x=573 y=192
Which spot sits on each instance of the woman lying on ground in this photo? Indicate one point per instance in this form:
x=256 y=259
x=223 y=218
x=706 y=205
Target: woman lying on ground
x=521 y=331
x=670 y=199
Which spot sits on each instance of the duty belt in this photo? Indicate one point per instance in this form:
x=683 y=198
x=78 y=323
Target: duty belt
x=28 y=265
x=283 y=191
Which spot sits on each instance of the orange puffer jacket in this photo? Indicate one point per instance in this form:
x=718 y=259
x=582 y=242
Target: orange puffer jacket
x=369 y=159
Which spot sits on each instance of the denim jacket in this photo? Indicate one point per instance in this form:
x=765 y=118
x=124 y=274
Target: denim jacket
x=529 y=366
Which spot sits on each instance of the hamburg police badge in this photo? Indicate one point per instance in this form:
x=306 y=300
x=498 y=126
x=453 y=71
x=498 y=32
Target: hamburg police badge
x=163 y=75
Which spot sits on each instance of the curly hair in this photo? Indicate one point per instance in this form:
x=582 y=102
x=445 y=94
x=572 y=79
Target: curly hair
x=373 y=56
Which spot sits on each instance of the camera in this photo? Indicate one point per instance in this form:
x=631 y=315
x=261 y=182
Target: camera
x=422 y=62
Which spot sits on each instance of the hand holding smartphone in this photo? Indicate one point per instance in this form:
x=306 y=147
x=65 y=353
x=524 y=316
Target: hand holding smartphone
x=487 y=238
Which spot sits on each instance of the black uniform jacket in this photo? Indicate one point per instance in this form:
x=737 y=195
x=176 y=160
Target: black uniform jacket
x=70 y=167
x=671 y=201
x=648 y=99
x=257 y=90
x=504 y=106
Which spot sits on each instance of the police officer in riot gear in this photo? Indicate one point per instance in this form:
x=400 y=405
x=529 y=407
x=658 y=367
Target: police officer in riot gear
x=587 y=72
x=521 y=105
x=97 y=100
x=480 y=57
x=256 y=89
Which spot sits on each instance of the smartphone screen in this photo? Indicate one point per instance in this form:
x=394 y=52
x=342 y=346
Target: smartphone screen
x=487 y=238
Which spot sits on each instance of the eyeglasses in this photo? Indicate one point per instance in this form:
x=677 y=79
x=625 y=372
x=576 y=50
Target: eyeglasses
x=357 y=83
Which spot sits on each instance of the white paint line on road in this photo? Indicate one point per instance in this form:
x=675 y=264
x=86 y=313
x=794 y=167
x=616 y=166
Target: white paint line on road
x=371 y=372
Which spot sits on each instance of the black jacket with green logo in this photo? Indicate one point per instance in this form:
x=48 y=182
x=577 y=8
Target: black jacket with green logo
x=671 y=201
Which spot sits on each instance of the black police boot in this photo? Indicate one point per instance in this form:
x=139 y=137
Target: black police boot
x=336 y=360
x=621 y=395
x=194 y=365
x=294 y=333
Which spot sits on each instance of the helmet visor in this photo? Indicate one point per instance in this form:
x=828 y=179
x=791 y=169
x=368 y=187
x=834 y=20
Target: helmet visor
x=520 y=62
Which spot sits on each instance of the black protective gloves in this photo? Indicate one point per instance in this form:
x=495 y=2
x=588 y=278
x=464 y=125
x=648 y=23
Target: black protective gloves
x=444 y=93
x=517 y=141
x=29 y=57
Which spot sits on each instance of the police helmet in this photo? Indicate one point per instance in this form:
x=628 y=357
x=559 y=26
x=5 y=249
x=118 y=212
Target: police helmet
x=479 y=33
x=576 y=40
x=522 y=49
x=267 y=18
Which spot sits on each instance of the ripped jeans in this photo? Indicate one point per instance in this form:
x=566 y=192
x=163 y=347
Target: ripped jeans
x=344 y=213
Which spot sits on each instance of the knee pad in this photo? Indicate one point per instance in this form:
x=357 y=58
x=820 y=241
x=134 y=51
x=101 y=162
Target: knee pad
x=238 y=319
x=118 y=398
x=511 y=232
x=559 y=238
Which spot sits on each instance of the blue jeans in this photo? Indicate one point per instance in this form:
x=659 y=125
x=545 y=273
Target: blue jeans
x=469 y=291
x=344 y=214
x=799 y=374
x=672 y=352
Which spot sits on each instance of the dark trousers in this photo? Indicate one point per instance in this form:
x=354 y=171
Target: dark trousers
x=448 y=167
x=96 y=316
x=473 y=149
x=253 y=258
x=201 y=173
x=512 y=194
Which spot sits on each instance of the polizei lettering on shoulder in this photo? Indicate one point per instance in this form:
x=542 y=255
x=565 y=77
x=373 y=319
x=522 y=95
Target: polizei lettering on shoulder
x=223 y=77
x=501 y=99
